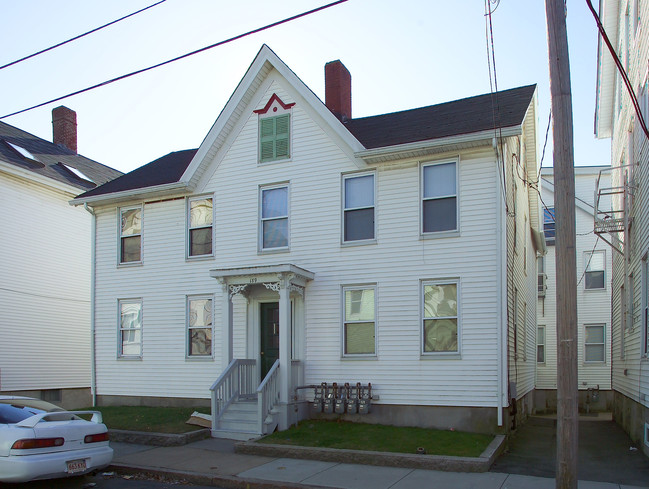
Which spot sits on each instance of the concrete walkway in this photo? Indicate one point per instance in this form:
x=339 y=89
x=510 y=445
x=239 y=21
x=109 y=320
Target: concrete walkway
x=213 y=462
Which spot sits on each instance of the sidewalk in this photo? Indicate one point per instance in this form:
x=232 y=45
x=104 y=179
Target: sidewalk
x=213 y=462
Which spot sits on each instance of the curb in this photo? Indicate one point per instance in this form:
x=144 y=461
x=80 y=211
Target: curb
x=158 y=439
x=386 y=459
x=198 y=478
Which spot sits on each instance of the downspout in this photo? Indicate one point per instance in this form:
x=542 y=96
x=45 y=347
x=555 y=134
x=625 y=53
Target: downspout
x=499 y=270
x=93 y=371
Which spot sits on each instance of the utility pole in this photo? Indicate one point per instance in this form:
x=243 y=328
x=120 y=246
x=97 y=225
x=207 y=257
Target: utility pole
x=564 y=205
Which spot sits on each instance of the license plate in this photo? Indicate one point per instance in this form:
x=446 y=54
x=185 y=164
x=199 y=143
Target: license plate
x=75 y=466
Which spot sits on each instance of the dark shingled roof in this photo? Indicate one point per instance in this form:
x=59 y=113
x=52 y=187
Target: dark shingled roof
x=465 y=116
x=167 y=169
x=51 y=159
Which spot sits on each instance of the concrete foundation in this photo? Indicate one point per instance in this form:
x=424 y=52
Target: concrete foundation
x=66 y=398
x=633 y=417
x=545 y=401
x=473 y=419
x=152 y=401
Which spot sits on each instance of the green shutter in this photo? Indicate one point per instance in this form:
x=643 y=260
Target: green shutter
x=274 y=138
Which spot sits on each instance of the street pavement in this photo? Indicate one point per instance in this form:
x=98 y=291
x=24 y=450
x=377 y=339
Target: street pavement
x=213 y=462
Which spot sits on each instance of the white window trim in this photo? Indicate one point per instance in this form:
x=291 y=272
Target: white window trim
x=595 y=362
x=188 y=328
x=587 y=255
x=544 y=344
x=345 y=177
x=440 y=354
x=345 y=288
x=450 y=232
x=188 y=228
x=260 y=227
x=120 y=354
x=120 y=210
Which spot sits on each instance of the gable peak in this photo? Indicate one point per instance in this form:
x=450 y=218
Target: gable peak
x=274 y=99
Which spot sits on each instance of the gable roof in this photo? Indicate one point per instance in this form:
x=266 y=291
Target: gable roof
x=49 y=162
x=180 y=171
x=465 y=116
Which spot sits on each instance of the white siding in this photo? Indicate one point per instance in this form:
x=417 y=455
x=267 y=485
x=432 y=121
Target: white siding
x=593 y=306
x=397 y=263
x=45 y=289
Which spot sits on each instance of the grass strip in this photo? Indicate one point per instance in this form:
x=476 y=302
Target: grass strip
x=381 y=438
x=149 y=419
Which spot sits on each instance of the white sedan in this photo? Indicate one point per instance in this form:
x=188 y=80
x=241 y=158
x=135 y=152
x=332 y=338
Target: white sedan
x=39 y=440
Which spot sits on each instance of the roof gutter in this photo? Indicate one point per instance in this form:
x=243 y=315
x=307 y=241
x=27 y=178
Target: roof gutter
x=392 y=152
x=153 y=191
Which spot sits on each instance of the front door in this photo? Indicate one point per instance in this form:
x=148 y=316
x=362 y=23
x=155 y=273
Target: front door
x=269 y=324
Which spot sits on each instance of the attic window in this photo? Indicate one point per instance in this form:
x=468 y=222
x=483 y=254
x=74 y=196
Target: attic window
x=23 y=152
x=77 y=173
x=274 y=130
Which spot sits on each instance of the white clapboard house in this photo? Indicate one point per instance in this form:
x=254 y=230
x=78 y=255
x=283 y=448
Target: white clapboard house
x=622 y=205
x=299 y=245
x=45 y=263
x=594 y=258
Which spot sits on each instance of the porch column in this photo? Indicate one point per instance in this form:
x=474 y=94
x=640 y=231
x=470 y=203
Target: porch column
x=226 y=324
x=284 y=349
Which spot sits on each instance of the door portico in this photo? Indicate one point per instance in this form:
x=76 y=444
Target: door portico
x=288 y=282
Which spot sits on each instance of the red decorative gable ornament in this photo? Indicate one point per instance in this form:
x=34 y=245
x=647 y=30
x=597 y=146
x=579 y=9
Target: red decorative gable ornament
x=272 y=99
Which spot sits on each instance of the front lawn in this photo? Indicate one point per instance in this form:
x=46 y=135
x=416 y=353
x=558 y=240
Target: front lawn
x=381 y=438
x=150 y=419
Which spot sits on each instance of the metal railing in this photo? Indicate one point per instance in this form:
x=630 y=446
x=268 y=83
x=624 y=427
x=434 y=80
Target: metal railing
x=267 y=395
x=236 y=382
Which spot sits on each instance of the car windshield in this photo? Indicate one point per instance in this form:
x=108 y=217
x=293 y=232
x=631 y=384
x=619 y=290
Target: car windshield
x=16 y=410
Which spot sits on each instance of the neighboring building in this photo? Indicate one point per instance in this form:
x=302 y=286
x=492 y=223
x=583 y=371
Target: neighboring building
x=625 y=222
x=299 y=246
x=45 y=261
x=593 y=300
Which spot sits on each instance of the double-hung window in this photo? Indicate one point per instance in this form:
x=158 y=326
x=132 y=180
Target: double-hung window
x=274 y=229
x=549 y=225
x=199 y=326
x=130 y=235
x=440 y=317
x=439 y=209
x=200 y=216
x=594 y=346
x=540 y=344
x=359 y=324
x=594 y=275
x=130 y=328
x=358 y=207
x=274 y=138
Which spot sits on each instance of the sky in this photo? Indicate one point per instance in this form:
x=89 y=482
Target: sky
x=401 y=54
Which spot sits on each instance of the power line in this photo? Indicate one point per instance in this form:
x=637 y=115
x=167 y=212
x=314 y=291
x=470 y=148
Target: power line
x=79 y=36
x=178 y=58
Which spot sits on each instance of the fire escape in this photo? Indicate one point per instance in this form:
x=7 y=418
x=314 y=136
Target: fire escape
x=612 y=211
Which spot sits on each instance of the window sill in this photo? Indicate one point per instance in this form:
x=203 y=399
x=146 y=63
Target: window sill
x=440 y=356
x=130 y=264
x=129 y=359
x=358 y=357
x=199 y=358
x=440 y=234
x=360 y=242
x=199 y=258
x=271 y=251
x=279 y=160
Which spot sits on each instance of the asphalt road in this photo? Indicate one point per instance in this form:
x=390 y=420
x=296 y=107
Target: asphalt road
x=101 y=481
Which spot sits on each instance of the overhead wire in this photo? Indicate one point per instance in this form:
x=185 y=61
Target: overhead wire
x=79 y=36
x=178 y=58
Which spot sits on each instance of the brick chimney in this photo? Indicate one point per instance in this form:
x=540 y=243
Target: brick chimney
x=64 y=127
x=338 y=90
